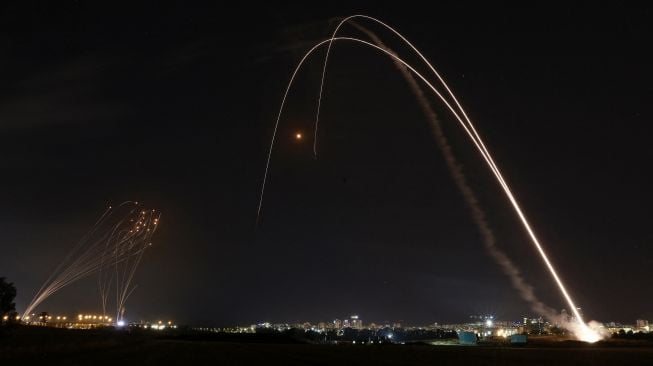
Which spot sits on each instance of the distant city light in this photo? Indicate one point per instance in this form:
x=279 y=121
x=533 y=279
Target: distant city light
x=121 y=323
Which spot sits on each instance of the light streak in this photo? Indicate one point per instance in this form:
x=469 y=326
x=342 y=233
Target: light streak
x=478 y=214
x=586 y=333
x=582 y=331
x=111 y=248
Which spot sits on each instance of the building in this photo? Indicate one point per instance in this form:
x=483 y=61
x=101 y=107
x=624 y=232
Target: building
x=642 y=325
x=356 y=322
x=337 y=324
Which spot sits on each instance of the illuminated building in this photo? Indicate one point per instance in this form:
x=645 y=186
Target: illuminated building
x=642 y=325
x=337 y=324
x=356 y=323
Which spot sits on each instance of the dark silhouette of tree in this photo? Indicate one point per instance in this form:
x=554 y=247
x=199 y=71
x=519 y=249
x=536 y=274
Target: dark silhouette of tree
x=7 y=296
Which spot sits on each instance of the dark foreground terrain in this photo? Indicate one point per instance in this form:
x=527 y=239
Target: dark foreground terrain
x=109 y=347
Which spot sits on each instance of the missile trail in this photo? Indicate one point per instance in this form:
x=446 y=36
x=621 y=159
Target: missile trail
x=583 y=331
x=117 y=240
x=487 y=156
x=478 y=214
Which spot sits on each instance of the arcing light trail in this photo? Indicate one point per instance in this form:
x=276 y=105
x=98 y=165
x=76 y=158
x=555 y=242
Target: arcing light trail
x=113 y=247
x=478 y=214
x=582 y=331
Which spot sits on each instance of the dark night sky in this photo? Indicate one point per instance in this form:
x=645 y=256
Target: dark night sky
x=174 y=106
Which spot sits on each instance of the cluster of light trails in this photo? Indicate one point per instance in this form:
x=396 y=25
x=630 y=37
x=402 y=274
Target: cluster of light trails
x=581 y=330
x=526 y=291
x=113 y=248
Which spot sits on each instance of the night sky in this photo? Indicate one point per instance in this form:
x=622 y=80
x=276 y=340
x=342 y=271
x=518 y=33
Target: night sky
x=174 y=107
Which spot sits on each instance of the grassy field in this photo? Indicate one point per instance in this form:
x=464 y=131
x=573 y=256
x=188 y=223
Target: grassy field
x=67 y=347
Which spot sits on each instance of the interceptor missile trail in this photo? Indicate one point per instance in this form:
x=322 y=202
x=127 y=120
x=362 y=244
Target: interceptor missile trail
x=478 y=214
x=117 y=241
x=583 y=332
x=586 y=333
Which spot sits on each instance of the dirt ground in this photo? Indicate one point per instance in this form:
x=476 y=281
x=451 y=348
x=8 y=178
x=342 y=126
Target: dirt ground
x=63 y=347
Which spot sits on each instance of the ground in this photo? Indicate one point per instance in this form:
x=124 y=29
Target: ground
x=64 y=347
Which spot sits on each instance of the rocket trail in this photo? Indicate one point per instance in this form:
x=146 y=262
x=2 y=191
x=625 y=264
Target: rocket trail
x=478 y=214
x=583 y=331
x=587 y=333
x=117 y=241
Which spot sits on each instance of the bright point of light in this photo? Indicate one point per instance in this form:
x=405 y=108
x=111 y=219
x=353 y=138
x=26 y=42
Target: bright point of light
x=298 y=136
x=121 y=323
x=488 y=322
x=586 y=334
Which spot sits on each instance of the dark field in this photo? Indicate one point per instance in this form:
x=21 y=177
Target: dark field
x=69 y=347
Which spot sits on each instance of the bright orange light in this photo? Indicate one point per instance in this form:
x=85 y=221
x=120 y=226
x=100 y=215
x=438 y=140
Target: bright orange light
x=298 y=136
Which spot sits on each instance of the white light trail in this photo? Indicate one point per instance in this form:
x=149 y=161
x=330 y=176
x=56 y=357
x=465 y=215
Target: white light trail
x=583 y=332
x=587 y=333
x=525 y=290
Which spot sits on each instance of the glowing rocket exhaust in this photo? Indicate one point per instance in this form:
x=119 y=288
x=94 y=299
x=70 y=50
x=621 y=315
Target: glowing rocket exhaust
x=581 y=330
